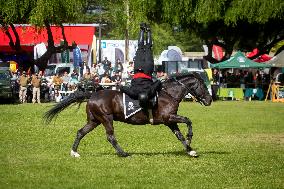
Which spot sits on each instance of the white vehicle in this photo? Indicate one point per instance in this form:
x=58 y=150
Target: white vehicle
x=60 y=68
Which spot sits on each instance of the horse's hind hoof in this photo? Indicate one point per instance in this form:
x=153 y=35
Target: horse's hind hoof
x=74 y=154
x=193 y=153
x=124 y=154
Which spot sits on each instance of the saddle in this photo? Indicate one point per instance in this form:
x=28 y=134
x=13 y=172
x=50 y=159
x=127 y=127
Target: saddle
x=132 y=106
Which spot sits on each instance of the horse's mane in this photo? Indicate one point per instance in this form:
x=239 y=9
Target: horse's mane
x=180 y=76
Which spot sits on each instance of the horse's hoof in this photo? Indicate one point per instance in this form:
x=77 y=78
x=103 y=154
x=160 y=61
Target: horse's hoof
x=193 y=153
x=124 y=154
x=74 y=154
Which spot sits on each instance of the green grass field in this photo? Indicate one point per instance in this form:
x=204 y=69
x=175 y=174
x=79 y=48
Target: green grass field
x=241 y=145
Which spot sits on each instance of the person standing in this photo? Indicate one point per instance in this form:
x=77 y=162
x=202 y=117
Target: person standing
x=118 y=66
x=65 y=82
x=36 y=88
x=77 y=57
x=23 y=81
x=100 y=70
x=215 y=84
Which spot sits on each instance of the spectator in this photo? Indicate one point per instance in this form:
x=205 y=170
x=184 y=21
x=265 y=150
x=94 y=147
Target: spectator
x=74 y=80
x=161 y=75
x=130 y=68
x=215 y=77
x=57 y=81
x=14 y=76
x=116 y=78
x=36 y=88
x=106 y=79
x=23 y=81
x=100 y=70
x=118 y=66
x=87 y=75
x=215 y=84
x=65 y=82
x=106 y=64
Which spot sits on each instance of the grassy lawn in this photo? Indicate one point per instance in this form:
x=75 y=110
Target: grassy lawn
x=241 y=145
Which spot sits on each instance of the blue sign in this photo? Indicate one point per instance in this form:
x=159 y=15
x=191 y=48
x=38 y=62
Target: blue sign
x=103 y=45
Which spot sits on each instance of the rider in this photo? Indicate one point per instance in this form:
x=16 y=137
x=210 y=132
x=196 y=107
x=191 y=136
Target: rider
x=142 y=86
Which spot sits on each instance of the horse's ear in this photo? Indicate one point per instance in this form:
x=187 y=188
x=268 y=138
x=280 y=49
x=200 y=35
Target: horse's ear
x=195 y=74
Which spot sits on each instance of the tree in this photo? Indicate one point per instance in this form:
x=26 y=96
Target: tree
x=41 y=14
x=232 y=24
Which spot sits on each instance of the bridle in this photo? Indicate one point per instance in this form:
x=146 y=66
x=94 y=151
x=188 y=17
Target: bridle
x=191 y=91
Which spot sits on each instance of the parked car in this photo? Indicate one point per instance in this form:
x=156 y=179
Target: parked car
x=6 y=85
x=60 y=68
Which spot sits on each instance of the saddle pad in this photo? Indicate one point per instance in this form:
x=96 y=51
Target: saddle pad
x=130 y=106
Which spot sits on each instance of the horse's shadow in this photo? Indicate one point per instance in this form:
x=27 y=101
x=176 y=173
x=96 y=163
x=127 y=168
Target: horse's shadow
x=171 y=153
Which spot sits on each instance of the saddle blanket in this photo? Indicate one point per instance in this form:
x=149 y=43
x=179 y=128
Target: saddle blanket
x=130 y=106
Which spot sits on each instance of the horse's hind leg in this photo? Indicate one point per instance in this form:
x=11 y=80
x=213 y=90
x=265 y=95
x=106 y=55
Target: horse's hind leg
x=108 y=124
x=80 y=134
x=111 y=138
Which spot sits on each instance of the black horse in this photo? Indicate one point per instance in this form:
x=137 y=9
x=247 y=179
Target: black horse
x=106 y=106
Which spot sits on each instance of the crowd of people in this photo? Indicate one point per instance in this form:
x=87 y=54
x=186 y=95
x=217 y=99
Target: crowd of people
x=239 y=79
x=58 y=86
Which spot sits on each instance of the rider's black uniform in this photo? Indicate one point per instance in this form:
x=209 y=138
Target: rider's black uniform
x=142 y=84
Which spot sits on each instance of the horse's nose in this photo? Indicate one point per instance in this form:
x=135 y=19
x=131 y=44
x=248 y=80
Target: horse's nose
x=208 y=100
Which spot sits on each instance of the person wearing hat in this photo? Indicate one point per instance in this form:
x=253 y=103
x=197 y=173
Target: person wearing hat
x=36 y=88
x=23 y=81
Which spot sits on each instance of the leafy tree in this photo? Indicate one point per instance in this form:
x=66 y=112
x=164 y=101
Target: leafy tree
x=163 y=33
x=232 y=24
x=41 y=14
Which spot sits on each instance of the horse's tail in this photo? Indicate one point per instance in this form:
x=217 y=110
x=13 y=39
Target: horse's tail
x=76 y=97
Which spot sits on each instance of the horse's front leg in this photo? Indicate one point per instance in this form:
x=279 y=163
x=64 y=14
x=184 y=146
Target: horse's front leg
x=174 y=128
x=182 y=119
x=173 y=120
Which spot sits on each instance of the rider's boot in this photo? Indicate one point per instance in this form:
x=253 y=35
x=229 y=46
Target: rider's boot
x=149 y=37
x=141 y=35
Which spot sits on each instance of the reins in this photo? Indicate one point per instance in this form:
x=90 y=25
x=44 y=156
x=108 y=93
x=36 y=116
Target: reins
x=188 y=90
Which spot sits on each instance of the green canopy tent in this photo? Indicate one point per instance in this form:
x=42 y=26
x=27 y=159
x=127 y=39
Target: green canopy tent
x=239 y=61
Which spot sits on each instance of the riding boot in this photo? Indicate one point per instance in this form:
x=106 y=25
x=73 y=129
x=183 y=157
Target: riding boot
x=149 y=37
x=141 y=38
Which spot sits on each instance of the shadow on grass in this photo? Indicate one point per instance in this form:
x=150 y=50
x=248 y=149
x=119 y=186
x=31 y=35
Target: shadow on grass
x=169 y=153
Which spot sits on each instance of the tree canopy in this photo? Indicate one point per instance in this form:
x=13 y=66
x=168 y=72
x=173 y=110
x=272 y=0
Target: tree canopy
x=232 y=24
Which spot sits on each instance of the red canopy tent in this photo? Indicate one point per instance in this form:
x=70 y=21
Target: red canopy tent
x=82 y=34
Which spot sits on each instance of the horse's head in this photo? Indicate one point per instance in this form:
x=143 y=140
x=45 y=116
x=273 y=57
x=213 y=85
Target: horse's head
x=200 y=91
x=194 y=84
